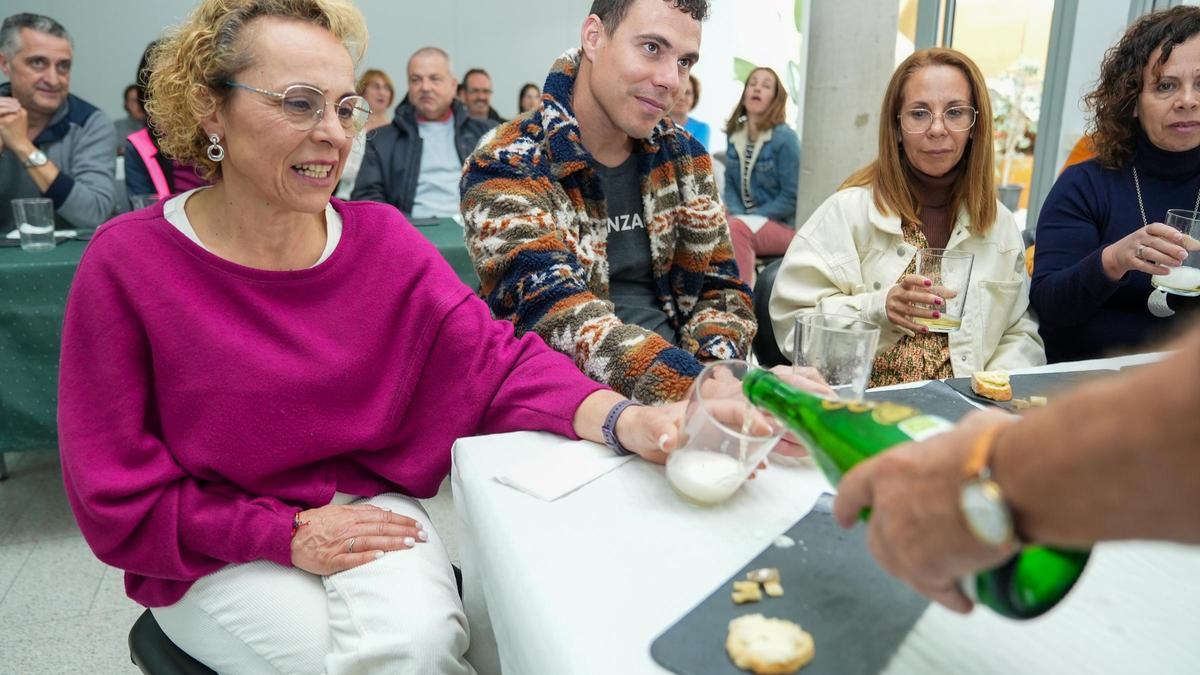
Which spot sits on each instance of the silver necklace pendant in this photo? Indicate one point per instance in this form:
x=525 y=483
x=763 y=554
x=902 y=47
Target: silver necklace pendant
x=1157 y=304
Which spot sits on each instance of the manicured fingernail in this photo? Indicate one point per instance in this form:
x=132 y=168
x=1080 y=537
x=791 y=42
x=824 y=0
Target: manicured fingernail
x=936 y=314
x=662 y=441
x=423 y=536
x=409 y=541
x=937 y=301
x=378 y=555
x=928 y=282
x=924 y=329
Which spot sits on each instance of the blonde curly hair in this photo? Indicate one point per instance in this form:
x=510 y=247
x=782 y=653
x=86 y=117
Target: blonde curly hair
x=189 y=67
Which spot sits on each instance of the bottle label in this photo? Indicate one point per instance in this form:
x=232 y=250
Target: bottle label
x=922 y=427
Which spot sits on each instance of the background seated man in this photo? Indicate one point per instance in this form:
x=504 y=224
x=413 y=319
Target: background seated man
x=415 y=162
x=596 y=224
x=52 y=144
x=477 y=94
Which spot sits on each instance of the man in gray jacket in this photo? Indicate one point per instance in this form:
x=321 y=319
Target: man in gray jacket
x=415 y=163
x=52 y=144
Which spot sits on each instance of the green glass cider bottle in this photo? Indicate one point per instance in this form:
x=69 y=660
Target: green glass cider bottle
x=841 y=434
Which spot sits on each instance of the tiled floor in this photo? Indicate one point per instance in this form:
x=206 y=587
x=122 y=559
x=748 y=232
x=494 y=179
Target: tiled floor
x=61 y=609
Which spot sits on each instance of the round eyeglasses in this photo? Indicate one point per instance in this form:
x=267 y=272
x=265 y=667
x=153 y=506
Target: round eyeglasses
x=304 y=106
x=920 y=120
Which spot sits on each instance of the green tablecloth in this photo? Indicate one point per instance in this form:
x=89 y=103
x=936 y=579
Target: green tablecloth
x=447 y=236
x=33 y=294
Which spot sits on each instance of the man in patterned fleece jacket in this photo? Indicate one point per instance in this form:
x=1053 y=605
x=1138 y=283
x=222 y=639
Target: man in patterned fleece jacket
x=595 y=222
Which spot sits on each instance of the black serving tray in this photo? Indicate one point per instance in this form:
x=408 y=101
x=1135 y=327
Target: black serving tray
x=856 y=614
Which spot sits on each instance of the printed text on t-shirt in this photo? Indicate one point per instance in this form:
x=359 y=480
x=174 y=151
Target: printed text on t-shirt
x=625 y=223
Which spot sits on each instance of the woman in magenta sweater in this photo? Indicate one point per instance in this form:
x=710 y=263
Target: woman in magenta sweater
x=258 y=382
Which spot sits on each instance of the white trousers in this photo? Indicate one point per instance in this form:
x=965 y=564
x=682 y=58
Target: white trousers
x=398 y=614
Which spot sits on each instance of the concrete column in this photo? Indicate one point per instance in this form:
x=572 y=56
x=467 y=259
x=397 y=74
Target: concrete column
x=851 y=55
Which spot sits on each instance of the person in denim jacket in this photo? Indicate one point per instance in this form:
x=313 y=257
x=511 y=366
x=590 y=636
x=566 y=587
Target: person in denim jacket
x=762 y=172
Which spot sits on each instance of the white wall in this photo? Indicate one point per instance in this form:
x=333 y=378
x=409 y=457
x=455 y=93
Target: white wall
x=515 y=40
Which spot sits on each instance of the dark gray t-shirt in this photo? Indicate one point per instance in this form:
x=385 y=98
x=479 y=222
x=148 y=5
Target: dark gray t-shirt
x=630 y=273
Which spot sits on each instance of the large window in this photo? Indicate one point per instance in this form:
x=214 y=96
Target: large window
x=1009 y=41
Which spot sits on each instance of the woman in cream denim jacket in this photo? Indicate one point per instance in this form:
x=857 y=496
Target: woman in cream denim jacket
x=855 y=255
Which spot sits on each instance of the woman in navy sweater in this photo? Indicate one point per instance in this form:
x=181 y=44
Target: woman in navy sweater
x=1100 y=235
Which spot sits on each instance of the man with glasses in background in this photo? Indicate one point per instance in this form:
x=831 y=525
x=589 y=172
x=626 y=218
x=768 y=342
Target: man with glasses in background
x=415 y=162
x=52 y=144
x=477 y=94
x=596 y=223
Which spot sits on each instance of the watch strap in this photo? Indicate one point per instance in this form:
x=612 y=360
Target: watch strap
x=609 y=428
x=981 y=453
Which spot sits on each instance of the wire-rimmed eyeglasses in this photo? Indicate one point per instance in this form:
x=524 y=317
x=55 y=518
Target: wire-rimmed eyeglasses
x=304 y=106
x=920 y=120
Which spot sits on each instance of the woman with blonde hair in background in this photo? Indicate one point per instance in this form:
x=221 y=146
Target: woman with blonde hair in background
x=932 y=186
x=376 y=87
x=762 y=170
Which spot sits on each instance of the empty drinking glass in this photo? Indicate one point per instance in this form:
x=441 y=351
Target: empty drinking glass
x=841 y=349
x=35 y=222
x=143 y=201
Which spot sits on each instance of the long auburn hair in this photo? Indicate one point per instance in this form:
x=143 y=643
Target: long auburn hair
x=1113 y=126
x=888 y=175
x=774 y=114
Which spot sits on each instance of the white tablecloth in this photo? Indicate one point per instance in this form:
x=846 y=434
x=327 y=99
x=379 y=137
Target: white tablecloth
x=584 y=584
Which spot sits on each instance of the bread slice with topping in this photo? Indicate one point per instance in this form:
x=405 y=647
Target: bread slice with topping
x=768 y=646
x=993 y=384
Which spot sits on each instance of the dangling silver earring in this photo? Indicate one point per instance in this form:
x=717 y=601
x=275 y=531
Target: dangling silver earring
x=215 y=152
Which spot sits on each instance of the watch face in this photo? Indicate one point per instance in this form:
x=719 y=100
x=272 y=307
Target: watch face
x=986 y=513
x=36 y=158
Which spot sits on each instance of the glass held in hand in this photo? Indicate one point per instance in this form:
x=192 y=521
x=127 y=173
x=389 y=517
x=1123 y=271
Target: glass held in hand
x=950 y=272
x=1185 y=279
x=840 y=348
x=840 y=434
x=724 y=437
x=34 y=219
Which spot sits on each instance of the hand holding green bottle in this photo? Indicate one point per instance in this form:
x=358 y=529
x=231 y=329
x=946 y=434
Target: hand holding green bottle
x=931 y=497
x=916 y=530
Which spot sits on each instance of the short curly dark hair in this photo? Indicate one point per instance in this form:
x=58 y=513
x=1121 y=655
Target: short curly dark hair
x=1113 y=125
x=612 y=11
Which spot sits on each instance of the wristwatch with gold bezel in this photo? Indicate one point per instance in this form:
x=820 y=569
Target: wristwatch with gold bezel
x=983 y=506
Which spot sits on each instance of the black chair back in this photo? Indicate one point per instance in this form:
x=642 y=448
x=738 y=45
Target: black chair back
x=765 y=347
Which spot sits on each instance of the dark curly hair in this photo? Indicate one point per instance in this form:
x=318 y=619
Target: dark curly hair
x=612 y=11
x=1113 y=126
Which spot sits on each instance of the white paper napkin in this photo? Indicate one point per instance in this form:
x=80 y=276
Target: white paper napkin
x=59 y=234
x=561 y=469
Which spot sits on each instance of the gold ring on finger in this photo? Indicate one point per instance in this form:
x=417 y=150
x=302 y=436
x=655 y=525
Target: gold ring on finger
x=350 y=545
x=1137 y=252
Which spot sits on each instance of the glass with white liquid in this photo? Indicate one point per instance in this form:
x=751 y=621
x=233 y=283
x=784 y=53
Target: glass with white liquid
x=724 y=437
x=1185 y=279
